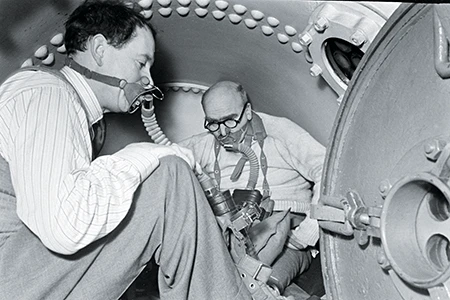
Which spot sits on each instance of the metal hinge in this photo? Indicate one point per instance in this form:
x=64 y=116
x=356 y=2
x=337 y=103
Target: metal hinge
x=348 y=216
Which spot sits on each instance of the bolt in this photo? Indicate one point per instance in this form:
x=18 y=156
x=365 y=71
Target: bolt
x=321 y=24
x=384 y=187
x=383 y=260
x=364 y=218
x=433 y=149
x=358 y=38
x=315 y=70
x=305 y=39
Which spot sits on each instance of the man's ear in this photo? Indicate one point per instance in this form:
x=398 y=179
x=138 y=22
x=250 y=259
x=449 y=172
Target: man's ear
x=97 y=47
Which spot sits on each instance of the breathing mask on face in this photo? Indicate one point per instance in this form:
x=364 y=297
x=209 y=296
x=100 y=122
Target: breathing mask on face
x=136 y=93
x=232 y=138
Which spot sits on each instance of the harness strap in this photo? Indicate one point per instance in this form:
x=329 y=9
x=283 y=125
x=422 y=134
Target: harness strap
x=95 y=129
x=256 y=131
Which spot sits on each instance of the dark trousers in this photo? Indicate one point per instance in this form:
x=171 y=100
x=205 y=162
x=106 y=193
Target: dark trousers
x=169 y=220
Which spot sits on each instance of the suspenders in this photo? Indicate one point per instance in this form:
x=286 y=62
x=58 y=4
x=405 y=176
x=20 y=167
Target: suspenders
x=99 y=126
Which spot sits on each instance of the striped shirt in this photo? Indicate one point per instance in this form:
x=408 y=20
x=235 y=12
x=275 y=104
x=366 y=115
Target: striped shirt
x=63 y=196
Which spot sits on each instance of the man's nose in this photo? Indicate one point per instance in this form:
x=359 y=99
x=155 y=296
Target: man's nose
x=223 y=129
x=146 y=73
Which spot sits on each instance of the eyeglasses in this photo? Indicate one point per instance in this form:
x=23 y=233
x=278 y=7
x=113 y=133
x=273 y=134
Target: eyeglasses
x=213 y=126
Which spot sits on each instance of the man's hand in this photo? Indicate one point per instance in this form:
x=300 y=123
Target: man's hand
x=162 y=150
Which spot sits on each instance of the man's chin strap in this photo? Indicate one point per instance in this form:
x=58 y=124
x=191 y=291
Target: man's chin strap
x=133 y=91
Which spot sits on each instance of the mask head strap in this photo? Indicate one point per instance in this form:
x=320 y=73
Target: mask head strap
x=109 y=80
x=133 y=91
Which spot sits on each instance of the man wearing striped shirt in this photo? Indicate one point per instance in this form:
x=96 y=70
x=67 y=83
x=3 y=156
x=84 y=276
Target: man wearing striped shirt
x=75 y=227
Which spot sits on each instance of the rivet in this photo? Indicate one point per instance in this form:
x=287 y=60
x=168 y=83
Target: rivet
x=267 y=30
x=164 y=3
x=41 y=52
x=49 y=60
x=175 y=88
x=257 y=15
x=202 y=3
x=61 y=49
x=290 y=30
x=195 y=90
x=222 y=5
x=250 y=23
x=147 y=13
x=235 y=19
x=122 y=83
x=218 y=15
x=165 y=11
x=282 y=38
x=184 y=2
x=57 y=40
x=183 y=11
x=384 y=187
x=296 y=47
x=273 y=21
x=201 y=12
x=27 y=63
x=240 y=9
x=186 y=88
x=145 y=4
x=383 y=260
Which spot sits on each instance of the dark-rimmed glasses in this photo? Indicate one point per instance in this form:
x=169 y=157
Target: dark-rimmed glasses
x=213 y=126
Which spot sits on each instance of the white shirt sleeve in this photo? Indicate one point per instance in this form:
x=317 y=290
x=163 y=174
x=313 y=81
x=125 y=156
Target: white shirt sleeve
x=64 y=198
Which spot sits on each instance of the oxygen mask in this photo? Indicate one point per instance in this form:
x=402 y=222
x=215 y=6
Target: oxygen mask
x=230 y=139
x=141 y=93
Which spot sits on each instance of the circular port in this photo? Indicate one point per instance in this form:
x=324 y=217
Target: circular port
x=438 y=205
x=438 y=251
x=343 y=58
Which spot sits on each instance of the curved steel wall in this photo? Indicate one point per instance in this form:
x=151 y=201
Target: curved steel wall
x=393 y=113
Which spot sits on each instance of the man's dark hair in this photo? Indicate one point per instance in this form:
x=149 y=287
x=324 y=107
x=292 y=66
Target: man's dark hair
x=112 y=18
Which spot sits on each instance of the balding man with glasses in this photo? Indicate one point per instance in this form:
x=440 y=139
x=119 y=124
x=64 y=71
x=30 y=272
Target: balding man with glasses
x=290 y=164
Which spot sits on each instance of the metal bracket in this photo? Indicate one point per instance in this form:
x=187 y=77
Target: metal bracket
x=348 y=216
x=365 y=220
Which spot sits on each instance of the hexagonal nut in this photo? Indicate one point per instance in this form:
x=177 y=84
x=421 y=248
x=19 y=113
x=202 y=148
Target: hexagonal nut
x=433 y=149
x=305 y=39
x=358 y=38
x=315 y=70
x=321 y=24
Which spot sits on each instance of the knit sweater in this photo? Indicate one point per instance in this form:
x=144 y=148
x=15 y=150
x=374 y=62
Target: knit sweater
x=294 y=158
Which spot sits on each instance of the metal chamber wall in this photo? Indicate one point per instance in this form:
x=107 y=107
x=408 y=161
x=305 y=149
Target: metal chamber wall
x=394 y=109
x=387 y=165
